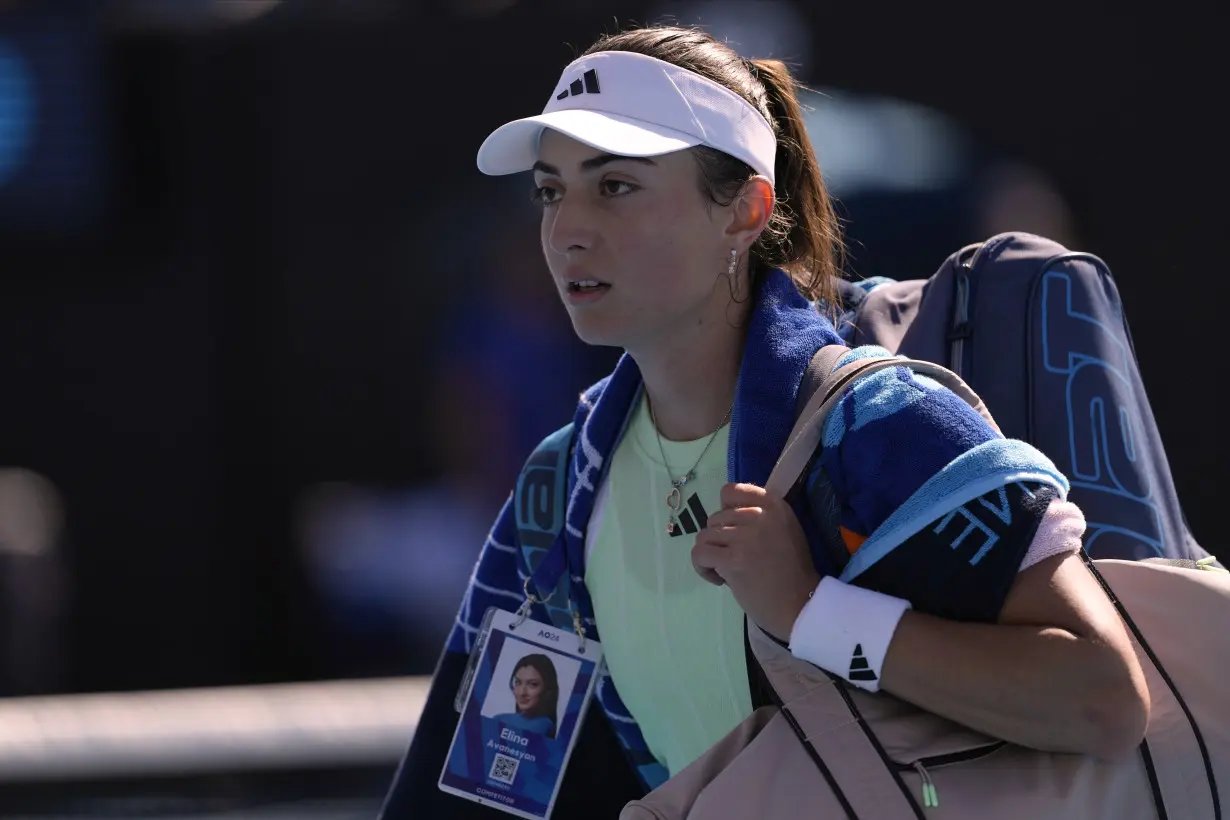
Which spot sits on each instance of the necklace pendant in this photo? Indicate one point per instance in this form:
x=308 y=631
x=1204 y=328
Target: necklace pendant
x=670 y=526
x=674 y=499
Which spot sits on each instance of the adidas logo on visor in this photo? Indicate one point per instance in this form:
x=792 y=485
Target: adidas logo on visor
x=588 y=84
x=647 y=107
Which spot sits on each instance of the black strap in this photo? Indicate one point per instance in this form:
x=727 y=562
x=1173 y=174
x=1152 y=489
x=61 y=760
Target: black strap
x=763 y=694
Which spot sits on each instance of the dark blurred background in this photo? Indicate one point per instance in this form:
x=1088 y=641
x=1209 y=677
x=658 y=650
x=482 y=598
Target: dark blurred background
x=257 y=304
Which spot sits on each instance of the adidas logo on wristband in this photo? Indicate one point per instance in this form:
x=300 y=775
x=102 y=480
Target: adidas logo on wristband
x=859 y=668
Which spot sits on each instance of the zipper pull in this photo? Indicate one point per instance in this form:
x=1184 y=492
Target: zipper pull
x=931 y=798
x=1207 y=564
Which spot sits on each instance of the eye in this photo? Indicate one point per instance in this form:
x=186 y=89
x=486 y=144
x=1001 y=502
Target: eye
x=616 y=187
x=545 y=195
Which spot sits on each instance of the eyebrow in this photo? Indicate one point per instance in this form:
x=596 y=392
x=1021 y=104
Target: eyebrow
x=593 y=163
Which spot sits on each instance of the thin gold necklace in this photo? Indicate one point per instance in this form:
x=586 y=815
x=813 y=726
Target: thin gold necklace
x=674 y=499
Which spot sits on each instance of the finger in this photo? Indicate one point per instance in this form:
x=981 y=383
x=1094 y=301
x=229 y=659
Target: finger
x=742 y=495
x=706 y=560
x=718 y=536
x=736 y=517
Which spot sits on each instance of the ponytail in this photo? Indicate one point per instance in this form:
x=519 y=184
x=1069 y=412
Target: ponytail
x=803 y=236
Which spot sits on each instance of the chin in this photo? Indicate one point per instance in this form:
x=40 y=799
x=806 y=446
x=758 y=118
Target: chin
x=598 y=331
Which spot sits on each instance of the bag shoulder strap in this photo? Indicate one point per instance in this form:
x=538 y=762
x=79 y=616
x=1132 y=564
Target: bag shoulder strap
x=863 y=760
x=818 y=370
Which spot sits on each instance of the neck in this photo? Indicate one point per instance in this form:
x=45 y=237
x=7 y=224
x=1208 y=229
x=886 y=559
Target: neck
x=691 y=378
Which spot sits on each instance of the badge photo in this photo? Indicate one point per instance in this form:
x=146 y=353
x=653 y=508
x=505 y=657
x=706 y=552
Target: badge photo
x=520 y=720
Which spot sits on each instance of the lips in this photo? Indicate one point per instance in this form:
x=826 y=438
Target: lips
x=587 y=285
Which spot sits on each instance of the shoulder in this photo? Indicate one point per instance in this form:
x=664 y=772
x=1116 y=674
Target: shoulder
x=898 y=403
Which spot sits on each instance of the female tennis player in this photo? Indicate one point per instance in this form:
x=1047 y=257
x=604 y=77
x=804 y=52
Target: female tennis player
x=685 y=221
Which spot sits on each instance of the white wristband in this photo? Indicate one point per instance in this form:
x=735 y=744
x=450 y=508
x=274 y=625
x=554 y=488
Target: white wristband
x=846 y=630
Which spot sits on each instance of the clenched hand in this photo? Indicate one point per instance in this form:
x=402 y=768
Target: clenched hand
x=756 y=546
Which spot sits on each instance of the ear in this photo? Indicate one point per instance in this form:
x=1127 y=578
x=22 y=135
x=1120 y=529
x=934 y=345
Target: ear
x=750 y=212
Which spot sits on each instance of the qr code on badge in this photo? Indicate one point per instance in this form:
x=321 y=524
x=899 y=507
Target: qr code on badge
x=504 y=769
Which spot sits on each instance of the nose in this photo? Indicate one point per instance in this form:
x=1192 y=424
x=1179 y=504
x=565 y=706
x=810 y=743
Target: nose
x=571 y=226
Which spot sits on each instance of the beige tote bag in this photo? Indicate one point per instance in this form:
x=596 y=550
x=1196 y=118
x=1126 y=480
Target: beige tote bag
x=830 y=750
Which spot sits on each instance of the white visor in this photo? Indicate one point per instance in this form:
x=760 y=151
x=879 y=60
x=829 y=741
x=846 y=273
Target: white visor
x=636 y=106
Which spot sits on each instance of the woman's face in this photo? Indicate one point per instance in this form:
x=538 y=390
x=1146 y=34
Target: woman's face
x=642 y=230
x=527 y=688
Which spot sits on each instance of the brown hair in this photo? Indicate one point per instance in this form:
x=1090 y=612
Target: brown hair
x=548 y=702
x=803 y=236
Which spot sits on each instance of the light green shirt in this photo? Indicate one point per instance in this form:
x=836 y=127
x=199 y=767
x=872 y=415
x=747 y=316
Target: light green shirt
x=673 y=641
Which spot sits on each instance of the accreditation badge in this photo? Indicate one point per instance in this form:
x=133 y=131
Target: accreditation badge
x=528 y=688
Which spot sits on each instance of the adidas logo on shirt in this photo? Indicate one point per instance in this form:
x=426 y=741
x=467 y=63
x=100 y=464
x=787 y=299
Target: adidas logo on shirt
x=859 y=668
x=693 y=519
x=588 y=84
